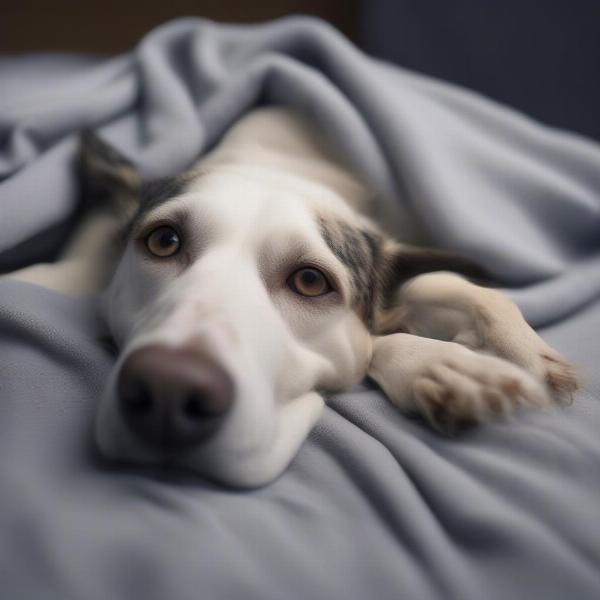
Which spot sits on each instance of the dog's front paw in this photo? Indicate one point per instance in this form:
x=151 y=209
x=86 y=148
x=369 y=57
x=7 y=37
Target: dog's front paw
x=513 y=339
x=547 y=365
x=458 y=392
x=559 y=374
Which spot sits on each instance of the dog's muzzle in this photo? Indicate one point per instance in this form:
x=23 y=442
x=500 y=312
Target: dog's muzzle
x=173 y=398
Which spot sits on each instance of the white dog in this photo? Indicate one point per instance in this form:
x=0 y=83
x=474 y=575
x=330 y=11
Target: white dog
x=245 y=286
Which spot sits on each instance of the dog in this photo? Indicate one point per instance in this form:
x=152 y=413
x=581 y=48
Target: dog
x=241 y=289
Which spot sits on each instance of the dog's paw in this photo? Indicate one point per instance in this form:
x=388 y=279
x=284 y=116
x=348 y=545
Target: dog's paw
x=559 y=375
x=517 y=342
x=474 y=388
x=546 y=365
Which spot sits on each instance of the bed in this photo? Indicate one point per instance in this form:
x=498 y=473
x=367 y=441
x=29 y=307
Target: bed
x=375 y=505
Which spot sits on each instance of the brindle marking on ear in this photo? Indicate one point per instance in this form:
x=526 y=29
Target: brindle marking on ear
x=379 y=265
x=106 y=176
x=357 y=251
x=361 y=251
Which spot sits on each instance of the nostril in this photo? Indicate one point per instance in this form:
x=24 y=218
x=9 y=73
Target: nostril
x=204 y=405
x=137 y=401
x=139 y=409
x=194 y=407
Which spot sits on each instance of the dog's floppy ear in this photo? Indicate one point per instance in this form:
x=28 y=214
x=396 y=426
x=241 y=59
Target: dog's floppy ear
x=378 y=267
x=108 y=179
x=399 y=263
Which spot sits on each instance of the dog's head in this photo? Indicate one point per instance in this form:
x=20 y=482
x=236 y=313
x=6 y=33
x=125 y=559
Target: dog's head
x=241 y=291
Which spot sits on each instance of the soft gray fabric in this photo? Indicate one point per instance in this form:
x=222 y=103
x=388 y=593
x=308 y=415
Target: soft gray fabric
x=375 y=505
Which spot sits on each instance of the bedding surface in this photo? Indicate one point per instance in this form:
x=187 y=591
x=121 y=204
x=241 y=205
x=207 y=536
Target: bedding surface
x=375 y=505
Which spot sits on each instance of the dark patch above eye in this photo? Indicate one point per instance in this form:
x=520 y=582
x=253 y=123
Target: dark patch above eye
x=157 y=191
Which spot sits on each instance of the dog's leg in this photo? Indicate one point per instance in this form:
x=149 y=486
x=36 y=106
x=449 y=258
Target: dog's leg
x=447 y=307
x=83 y=267
x=110 y=189
x=449 y=384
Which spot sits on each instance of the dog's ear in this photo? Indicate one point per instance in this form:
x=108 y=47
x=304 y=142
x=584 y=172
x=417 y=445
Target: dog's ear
x=378 y=266
x=107 y=178
x=398 y=263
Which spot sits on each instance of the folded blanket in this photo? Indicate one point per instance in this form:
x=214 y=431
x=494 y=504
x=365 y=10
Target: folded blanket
x=375 y=505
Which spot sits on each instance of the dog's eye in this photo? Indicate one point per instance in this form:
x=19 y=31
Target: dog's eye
x=309 y=282
x=163 y=242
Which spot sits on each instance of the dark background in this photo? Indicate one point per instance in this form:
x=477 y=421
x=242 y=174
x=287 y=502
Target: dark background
x=540 y=56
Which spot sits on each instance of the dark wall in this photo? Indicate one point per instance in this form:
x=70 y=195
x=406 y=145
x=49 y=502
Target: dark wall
x=114 y=26
x=541 y=56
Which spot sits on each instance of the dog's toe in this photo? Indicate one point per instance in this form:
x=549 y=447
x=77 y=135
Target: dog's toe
x=561 y=376
x=477 y=388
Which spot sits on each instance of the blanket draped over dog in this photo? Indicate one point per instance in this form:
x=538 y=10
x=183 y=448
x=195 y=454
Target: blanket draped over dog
x=375 y=505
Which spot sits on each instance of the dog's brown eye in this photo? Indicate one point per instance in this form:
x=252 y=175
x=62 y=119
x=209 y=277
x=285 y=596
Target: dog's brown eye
x=163 y=242
x=309 y=282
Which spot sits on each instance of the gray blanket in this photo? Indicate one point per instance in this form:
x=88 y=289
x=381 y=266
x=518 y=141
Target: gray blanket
x=375 y=505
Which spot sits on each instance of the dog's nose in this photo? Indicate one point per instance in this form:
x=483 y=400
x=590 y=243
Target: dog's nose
x=173 y=398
